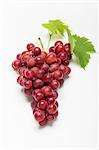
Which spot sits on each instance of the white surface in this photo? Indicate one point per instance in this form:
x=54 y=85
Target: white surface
x=77 y=121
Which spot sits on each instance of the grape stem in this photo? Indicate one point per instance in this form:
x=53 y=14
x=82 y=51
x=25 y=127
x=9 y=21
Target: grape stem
x=50 y=36
x=41 y=43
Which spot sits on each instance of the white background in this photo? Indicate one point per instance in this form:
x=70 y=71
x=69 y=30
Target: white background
x=77 y=121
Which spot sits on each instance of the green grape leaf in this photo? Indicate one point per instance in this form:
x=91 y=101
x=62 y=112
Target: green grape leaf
x=55 y=27
x=82 y=49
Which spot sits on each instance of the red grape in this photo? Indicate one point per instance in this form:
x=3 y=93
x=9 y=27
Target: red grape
x=30 y=47
x=58 y=48
x=55 y=94
x=45 y=67
x=39 y=115
x=16 y=64
x=50 y=117
x=58 y=43
x=68 y=70
x=40 y=74
x=51 y=58
x=28 y=84
x=55 y=84
x=58 y=75
x=43 y=122
x=51 y=99
x=33 y=104
x=18 y=56
x=42 y=104
x=53 y=67
x=29 y=74
x=51 y=108
x=36 y=51
x=39 y=60
x=38 y=94
x=63 y=56
x=55 y=115
x=67 y=48
x=47 y=90
x=31 y=62
x=62 y=68
x=52 y=49
x=28 y=91
x=38 y=83
x=47 y=78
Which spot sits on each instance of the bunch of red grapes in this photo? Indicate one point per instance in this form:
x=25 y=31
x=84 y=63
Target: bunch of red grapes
x=41 y=74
